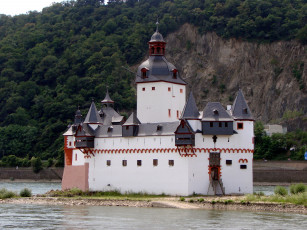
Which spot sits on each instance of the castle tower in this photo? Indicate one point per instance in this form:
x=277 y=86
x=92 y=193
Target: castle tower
x=161 y=93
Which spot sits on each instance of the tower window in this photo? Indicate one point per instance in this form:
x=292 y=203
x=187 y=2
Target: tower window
x=171 y=162
x=240 y=126
x=152 y=50
x=226 y=124
x=169 y=89
x=169 y=113
x=143 y=89
x=220 y=124
x=175 y=73
x=155 y=162
x=108 y=162
x=211 y=124
x=177 y=113
x=243 y=166
x=124 y=163
x=158 y=50
x=139 y=162
x=144 y=72
x=245 y=111
x=153 y=88
x=228 y=162
x=181 y=90
x=76 y=157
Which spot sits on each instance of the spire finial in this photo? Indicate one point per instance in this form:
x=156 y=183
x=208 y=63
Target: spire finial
x=157 y=23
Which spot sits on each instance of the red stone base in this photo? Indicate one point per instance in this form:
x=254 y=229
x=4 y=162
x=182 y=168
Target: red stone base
x=75 y=177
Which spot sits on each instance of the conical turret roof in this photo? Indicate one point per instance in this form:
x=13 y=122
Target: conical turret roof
x=190 y=110
x=107 y=99
x=92 y=116
x=132 y=120
x=240 y=109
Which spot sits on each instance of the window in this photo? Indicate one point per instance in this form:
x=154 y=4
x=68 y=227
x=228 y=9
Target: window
x=70 y=143
x=158 y=50
x=181 y=90
x=153 y=88
x=245 y=111
x=171 y=162
x=110 y=129
x=127 y=127
x=108 y=162
x=155 y=162
x=76 y=157
x=169 y=89
x=240 y=126
x=159 y=128
x=211 y=124
x=124 y=163
x=144 y=72
x=220 y=124
x=143 y=89
x=226 y=124
x=243 y=166
x=177 y=113
x=228 y=162
x=169 y=113
x=139 y=162
x=175 y=73
x=152 y=50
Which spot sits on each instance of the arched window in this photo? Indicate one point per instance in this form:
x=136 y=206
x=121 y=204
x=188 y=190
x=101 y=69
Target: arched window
x=158 y=50
x=152 y=50
x=144 y=72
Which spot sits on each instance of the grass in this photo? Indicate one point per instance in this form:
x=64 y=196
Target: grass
x=111 y=195
x=25 y=192
x=298 y=199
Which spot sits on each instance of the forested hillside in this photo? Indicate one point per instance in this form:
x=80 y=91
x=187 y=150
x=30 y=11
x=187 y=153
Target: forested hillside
x=53 y=61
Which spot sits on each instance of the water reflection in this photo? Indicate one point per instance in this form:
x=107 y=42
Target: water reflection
x=93 y=217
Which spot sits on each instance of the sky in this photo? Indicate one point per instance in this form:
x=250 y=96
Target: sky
x=15 y=7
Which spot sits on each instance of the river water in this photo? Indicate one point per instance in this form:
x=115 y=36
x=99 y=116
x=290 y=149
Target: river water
x=98 y=217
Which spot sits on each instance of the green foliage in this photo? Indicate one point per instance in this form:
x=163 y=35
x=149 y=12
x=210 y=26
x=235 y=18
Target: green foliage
x=298 y=188
x=50 y=162
x=25 y=192
x=53 y=61
x=282 y=191
x=36 y=164
x=5 y=194
x=182 y=199
x=278 y=145
x=201 y=200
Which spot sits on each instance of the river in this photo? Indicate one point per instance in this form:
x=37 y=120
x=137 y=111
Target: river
x=14 y=216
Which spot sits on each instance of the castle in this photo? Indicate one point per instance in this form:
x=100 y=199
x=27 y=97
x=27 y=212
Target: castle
x=168 y=146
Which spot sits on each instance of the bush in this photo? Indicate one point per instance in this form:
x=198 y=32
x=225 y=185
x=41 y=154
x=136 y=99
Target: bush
x=4 y=194
x=191 y=201
x=201 y=200
x=282 y=191
x=25 y=192
x=50 y=162
x=37 y=164
x=297 y=188
x=182 y=199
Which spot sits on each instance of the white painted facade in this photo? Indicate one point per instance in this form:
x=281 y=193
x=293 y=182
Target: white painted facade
x=160 y=101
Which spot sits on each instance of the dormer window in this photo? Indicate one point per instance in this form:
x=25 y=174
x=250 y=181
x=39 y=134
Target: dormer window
x=216 y=112
x=110 y=129
x=144 y=72
x=245 y=111
x=174 y=73
x=159 y=127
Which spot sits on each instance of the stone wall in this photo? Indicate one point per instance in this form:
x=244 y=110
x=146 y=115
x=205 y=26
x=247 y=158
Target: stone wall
x=28 y=174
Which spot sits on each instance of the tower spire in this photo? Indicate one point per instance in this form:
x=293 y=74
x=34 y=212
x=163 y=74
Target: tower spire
x=157 y=23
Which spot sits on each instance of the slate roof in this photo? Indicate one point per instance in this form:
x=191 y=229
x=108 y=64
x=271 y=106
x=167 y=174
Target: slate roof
x=132 y=120
x=214 y=111
x=92 y=116
x=190 y=110
x=109 y=115
x=240 y=109
x=157 y=37
x=107 y=99
x=159 y=69
x=148 y=129
x=69 y=131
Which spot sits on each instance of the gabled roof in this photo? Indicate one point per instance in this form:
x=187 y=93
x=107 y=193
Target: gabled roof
x=240 y=109
x=92 y=116
x=107 y=99
x=190 y=110
x=109 y=115
x=184 y=127
x=84 y=130
x=214 y=111
x=132 y=120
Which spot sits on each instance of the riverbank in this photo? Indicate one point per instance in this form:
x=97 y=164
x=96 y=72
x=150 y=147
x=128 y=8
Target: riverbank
x=209 y=203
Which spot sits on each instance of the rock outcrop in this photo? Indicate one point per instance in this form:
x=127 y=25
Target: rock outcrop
x=272 y=76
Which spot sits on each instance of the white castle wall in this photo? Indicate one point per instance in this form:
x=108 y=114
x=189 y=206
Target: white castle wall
x=154 y=111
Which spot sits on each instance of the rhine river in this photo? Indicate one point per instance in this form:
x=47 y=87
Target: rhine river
x=14 y=216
